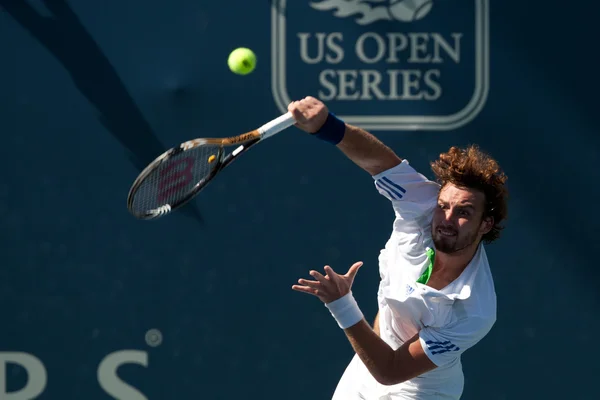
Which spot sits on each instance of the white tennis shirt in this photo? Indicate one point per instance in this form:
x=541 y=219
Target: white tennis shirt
x=449 y=321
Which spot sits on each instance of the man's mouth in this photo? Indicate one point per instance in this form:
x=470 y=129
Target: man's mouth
x=446 y=232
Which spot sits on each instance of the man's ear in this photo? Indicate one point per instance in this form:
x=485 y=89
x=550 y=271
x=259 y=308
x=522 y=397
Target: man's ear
x=486 y=225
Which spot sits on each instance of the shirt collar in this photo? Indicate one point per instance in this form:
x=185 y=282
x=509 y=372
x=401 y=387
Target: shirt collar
x=462 y=286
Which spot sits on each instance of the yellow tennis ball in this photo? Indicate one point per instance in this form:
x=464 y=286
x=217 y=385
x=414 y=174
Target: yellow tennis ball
x=212 y=158
x=242 y=61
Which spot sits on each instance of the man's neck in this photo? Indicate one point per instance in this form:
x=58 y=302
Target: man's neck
x=454 y=263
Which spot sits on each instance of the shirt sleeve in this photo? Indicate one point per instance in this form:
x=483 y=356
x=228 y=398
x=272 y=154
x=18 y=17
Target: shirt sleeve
x=411 y=193
x=445 y=345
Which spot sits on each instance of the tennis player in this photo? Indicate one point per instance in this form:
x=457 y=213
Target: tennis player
x=436 y=295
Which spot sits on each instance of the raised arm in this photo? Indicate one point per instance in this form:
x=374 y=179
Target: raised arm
x=364 y=149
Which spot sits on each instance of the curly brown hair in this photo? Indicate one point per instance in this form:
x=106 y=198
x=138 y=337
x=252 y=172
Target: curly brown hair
x=472 y=168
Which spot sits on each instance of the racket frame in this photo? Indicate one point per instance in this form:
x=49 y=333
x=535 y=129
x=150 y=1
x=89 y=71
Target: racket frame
x=245 y=142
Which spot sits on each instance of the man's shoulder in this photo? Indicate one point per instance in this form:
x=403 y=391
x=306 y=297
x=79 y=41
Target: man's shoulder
x=403 y=184
x=481 y=304
x=477 y=299
x=471 y=318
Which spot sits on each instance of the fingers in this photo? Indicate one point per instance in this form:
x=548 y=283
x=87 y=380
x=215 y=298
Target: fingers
x=312 y=287
x=307 y=107
x=310 y=113
x=330 y=273
x=312 y=284
x=308 y=100
x=354 y=269
x=298 y=108
x=293 y=108
x=318 y=276
x=319 y=283
x=329 y=285
x=306 y=289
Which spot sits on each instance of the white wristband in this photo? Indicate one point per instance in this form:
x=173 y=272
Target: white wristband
x=345 y=310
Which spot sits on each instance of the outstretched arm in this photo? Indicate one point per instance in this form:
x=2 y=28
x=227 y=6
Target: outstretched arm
x=361 y=147
x=386 y=365
x=366 y=151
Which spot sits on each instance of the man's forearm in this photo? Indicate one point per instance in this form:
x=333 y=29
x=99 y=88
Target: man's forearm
x=376 y=354
x=366 y=151
x=386 y=365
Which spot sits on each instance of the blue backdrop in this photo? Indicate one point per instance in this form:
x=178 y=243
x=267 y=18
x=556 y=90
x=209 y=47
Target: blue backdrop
x=199 y=304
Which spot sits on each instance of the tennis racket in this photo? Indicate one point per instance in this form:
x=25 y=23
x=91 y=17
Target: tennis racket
x=179 y=174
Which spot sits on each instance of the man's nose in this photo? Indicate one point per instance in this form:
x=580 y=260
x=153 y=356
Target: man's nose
x=449 y=215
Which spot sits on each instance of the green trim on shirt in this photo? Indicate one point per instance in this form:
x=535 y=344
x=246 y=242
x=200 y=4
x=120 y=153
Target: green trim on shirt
x=427 y=274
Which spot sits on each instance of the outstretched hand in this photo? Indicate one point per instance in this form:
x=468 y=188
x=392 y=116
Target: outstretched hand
x=331 y=286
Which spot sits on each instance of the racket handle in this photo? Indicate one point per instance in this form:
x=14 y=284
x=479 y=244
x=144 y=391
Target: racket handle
x=277 y=125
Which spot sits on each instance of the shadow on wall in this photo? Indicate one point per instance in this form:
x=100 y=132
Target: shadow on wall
x=95 y=77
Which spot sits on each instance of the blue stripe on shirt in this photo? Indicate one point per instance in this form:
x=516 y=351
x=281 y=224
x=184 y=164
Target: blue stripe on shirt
x=400 y=188
x=380 y=186
x=383 y=182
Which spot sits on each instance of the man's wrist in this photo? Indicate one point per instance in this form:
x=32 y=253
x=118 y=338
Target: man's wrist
x=332 y=131
x=345 y=310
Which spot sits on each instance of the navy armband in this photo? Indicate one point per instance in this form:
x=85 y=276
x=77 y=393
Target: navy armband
x=332 y=130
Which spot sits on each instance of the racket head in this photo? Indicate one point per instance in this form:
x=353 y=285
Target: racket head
x=175 y=177
x=179 y=174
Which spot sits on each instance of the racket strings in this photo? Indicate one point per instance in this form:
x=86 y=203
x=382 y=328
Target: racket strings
x=175 y=178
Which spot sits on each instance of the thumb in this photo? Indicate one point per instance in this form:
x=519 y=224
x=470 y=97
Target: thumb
x=354 y=269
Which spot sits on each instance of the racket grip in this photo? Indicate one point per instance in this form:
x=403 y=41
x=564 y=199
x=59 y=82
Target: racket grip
x=277 y=125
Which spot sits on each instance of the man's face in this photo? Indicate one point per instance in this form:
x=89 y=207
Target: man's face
x=458 y=219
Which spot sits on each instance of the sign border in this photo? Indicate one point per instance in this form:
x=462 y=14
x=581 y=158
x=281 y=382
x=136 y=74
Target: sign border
x=391 y=122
